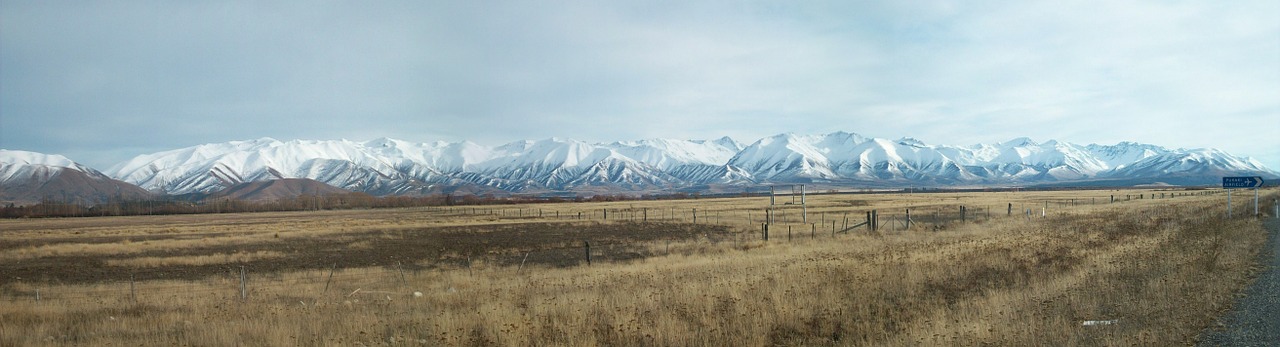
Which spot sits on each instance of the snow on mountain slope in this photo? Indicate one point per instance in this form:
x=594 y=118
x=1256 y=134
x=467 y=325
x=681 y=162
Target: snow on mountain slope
x=787 y=156
x=33 y=158
x=666 y=154
x=212 y=167
x=24 y=166
x=30 y=177
x=388 y=166
x=564 y=164
x=1124 y=153
x=844 y=156
x=1189 y=162
x=1052 y=160
x=911 y=160
x=443 y=156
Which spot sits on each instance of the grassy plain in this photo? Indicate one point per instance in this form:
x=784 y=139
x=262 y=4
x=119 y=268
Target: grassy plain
x=1151 y=271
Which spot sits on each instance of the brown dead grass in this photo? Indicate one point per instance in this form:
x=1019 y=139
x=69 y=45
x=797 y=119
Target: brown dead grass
x=1163 y=269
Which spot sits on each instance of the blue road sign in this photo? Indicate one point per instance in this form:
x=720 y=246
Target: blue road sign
x=1242 y=182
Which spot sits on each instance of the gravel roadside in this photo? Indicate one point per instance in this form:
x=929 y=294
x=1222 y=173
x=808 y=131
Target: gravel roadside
x=1255 y=320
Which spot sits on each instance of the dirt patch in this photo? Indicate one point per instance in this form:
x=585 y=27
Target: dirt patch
x=546 y=244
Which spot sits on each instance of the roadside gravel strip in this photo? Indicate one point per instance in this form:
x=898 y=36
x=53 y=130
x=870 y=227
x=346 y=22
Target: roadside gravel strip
x=1255 y=320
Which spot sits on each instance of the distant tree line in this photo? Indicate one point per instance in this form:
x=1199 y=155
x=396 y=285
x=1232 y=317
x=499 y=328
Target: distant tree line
x=125 y=207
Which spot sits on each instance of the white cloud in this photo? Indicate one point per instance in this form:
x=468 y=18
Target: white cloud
x=114 y=78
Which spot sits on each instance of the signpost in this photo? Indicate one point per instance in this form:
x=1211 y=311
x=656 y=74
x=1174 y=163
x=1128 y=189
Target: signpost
x=1242 y=182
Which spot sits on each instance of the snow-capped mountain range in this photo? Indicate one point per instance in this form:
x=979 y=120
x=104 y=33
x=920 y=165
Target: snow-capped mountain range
x=395 y=167
x=387 y=166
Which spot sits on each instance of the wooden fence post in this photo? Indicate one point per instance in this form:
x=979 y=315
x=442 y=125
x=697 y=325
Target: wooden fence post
x=875 y=220
x=586 y=245
x=243 y=292
x=400 y=268
x=526 y=258
x=846 y=223
x=908 y=219
x=326 y=282
x=133 y=294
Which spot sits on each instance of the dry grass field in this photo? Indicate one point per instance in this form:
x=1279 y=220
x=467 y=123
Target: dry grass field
x=1076 y=270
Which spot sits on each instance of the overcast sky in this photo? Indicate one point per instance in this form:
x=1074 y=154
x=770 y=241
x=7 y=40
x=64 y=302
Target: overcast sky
x=102 y=82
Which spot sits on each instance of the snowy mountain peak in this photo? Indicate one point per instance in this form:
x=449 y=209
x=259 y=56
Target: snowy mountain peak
x=846 y=135
x=384 y=142
x=730 y=143
x=1019 y=142
x=15 y=157
x=784 y=137
x=667 y=154
x=255 y=142
x=907 y=141
x=24 y=166
x=29 y=177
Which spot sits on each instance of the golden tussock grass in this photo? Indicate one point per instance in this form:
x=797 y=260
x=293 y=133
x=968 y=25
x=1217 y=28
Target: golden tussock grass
x=122 y=247
x=190 y=260
x=1160 y=270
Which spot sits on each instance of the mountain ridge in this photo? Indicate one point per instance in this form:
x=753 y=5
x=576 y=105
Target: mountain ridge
x=31 y=177
x=560 y=166
x=284 y=188
x=387 y=166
